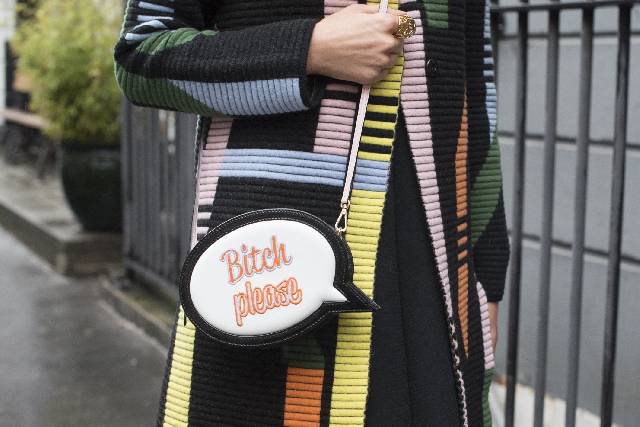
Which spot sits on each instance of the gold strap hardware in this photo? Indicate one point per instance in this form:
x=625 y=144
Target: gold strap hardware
x=341 y=222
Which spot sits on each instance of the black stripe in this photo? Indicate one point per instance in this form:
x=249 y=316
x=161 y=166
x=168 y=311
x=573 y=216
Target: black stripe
x=378 y=133
x=381 y=117
x=375 y=148
x=383 y=100
x=298 y=133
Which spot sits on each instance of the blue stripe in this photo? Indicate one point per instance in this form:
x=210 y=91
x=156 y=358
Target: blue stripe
x=304 y=167
x=251 y=161
x=373 y=164
x=371 y=175
x=308 y=179
x=152 y=6
x=370 y=187
x=305 y=155
x=256 y=97
x=285 y=165
x=367 y=179
x=284 y=169
x=155 y=24
x=147 y=18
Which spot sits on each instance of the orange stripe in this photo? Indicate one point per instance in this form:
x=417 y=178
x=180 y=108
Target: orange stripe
x=303 y=397
x=464 y=275
x=461 y=212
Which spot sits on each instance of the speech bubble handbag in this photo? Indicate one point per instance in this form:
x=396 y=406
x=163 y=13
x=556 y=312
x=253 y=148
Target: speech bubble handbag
x=267 y=276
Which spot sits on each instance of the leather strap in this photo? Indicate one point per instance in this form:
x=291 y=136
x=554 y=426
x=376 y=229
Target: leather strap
x=355 y=146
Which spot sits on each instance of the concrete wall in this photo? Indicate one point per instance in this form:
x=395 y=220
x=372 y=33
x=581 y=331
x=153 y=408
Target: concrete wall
x=598 y=210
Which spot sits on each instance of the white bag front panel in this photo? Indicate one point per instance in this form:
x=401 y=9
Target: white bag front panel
x=227 y=291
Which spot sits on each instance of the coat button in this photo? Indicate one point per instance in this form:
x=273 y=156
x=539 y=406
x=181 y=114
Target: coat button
x=432 y=67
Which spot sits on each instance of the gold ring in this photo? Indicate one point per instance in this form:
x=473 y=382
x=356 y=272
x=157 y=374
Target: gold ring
x=406 y=27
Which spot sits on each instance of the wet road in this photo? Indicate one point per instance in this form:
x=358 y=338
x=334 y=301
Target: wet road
x=65 y=358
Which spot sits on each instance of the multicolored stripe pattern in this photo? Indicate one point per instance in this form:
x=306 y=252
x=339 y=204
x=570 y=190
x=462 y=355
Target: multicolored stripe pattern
x=488 y=224
x=417 y=103
x=165 y=59
x=177 y=387
x=170 y=56
x=351 y=366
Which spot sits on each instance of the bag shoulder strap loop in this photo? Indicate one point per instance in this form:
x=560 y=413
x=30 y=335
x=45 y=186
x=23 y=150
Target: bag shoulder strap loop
x=341 y=222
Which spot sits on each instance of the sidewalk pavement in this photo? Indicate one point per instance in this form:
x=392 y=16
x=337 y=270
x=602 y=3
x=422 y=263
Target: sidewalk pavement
x=37 y=214
x=65 y=358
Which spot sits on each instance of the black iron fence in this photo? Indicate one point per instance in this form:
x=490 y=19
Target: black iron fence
x=553 y=10
x=158 y=184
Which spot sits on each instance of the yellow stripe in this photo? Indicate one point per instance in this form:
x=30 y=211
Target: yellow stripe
x=393 y=84
x=375 y=140
x=373 y=124
x=387 y=109
x=176 y=408
x=374 y=156
x=384 y=92
x=351 y=370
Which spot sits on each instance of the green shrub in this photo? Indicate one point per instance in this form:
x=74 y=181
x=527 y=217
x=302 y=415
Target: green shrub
x=66 y=51
x=25 y=10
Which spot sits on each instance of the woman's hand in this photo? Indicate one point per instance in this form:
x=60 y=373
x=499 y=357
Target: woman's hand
x=493 y=318
x=355 y=44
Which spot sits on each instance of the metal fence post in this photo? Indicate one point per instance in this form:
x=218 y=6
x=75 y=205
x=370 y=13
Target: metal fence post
x=579 y=216
x=615 y=225
x=517 y=212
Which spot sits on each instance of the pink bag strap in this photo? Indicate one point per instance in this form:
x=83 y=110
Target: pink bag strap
x=341 y=222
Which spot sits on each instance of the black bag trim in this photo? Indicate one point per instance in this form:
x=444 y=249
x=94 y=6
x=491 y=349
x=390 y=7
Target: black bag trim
x=343 y=280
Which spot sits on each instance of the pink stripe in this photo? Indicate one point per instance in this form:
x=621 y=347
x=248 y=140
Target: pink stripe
x=338 y=112
x=335 y=135
x=332 y=150
x=489 y=361
x=209 y=180
x=334 y=127
x=211 y=158
x=343 y=87
x=414 y=100
x=212 y=174
x=335 y=123
x=413 y=56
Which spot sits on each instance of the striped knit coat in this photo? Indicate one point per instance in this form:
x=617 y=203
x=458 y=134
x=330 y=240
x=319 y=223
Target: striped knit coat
x=271 y=136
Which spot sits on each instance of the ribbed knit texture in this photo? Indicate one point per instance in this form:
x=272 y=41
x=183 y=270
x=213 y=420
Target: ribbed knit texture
x=167 y=58
x=246 y=59
x=488 y=224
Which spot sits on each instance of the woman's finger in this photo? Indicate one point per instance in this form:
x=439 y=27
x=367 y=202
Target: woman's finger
x=391 y=61
x=396 y=12
x=396 y=48
x=362 y=8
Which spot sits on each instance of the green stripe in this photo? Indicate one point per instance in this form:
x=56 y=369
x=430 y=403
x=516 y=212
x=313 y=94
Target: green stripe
x=158 y=92
x=486 y=409
x=437 y=13
x=167 y=39
x=304 y=352
x=485 y=193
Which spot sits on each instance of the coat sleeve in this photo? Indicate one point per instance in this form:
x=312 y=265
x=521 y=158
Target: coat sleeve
x=166 y=58
x=488 y=224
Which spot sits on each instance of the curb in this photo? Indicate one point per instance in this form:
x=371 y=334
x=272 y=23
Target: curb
x=150 y=313
x=69 y=253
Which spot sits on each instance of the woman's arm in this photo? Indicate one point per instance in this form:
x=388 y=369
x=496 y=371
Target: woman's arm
x=166 y=59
